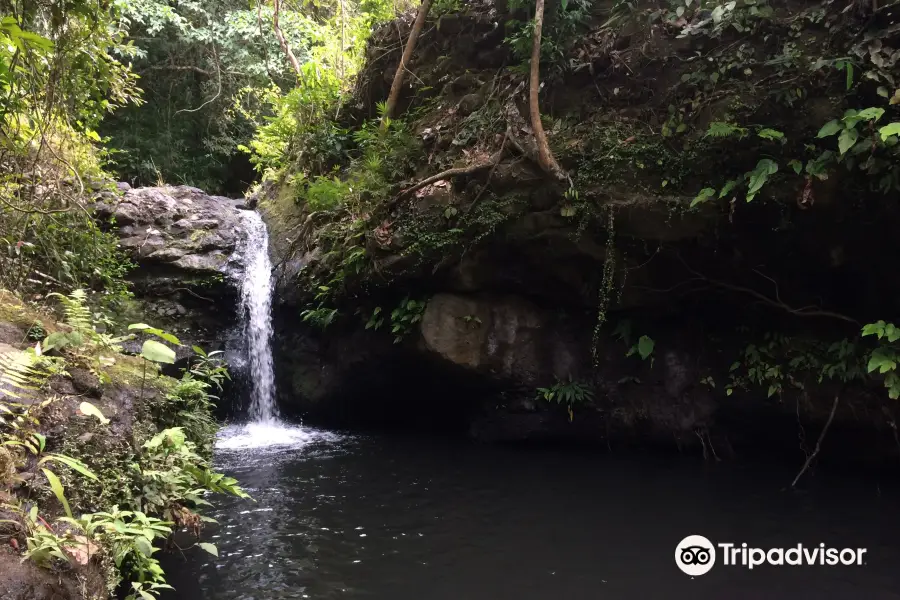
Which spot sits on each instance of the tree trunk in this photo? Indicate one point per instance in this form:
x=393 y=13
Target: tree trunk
x=282 y=41
x=545 y=156
x=407 y=52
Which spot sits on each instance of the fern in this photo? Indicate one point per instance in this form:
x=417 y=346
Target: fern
x=720 y=129
x=18 y=375
x=78 y=315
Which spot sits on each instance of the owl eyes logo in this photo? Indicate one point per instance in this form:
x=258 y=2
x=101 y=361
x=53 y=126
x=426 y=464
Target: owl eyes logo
x=695 y=555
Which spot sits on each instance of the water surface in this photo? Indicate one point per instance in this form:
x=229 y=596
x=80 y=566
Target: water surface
x=418 y=518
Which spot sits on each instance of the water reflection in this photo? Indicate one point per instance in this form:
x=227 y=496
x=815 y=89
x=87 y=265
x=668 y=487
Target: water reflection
x=425 y=519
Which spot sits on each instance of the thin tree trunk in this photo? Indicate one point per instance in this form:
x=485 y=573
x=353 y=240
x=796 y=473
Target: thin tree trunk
x=545 y=156
x=407 y=53
x=282 y=41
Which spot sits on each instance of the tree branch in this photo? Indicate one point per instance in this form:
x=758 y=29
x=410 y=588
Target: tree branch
x=545 y=156
x=407 y=53
x=806 y=311
x=815 y=453
x=282 y=41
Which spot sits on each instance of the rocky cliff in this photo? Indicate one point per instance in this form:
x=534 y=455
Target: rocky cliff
x=701 y=278
x=186 y=245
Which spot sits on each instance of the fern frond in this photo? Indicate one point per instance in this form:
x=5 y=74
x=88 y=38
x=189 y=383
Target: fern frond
x=77 y=314
x=720 y=129
x=18 y=374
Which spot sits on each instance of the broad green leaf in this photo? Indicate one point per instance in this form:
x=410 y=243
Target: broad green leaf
x=870 y=114
x=86 y=408
x=770 y=134
x=847 y=139
x=873 y=328
x=168 y=337
x=57 y=487
x=704 y=195
x=730 y=185
x=830 y=128
x=645 y=346
x=889 y=130
x=156 y=352
x=760 y=175
x=139 y=326
x=211 y=548
x=143 y=545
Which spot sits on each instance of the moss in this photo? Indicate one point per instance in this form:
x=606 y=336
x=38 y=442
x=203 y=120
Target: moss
x=134 y=371
x=13 y=310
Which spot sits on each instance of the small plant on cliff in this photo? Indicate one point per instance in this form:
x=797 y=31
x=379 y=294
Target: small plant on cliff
x=569 y=393
x=643 y=347
x=405 y=317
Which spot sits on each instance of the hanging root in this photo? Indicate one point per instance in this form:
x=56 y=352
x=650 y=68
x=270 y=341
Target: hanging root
x=815 y=452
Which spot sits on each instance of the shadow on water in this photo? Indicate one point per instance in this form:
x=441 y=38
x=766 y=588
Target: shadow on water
x=404 y=517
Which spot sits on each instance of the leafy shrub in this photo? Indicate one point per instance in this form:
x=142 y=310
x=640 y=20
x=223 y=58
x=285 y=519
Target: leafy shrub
x=569 y=393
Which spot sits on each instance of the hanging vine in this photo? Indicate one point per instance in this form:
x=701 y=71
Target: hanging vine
x=606 y=283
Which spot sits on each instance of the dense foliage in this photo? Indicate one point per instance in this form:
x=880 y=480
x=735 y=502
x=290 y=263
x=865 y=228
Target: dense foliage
x=213 y=73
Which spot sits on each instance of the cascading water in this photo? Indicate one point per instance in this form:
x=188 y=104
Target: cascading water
x=265 y=429
x=256 y=305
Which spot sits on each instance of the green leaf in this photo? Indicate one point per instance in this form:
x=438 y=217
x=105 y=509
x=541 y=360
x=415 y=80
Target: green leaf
x=143 y=545
x=199 y=351
x=645 y=346
x=830 y=128
x=869 y=114
x=57 y=487
x=704 y=195
x=847 y=139
x=72 y=463
x=156 y=352
x=796 y=165
x=168 y=337
x=139 y=326
x=730 y=185
x=889 y=130
x=770 y=134
x=211 y=548
x=760 y=175
x=86 y=408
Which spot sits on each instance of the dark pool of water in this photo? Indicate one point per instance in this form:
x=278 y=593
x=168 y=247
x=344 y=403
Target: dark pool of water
x=397 y=518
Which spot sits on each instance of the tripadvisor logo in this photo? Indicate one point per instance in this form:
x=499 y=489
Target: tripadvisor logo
x=696 y=555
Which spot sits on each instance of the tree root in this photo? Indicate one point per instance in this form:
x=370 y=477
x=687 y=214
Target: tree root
x=815 y=453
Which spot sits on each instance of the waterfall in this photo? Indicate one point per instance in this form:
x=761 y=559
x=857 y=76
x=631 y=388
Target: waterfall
x=256 y=310
x=265 y=430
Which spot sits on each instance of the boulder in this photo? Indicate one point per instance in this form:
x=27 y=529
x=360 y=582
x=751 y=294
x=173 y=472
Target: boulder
x=178 y=226
x=187 y=246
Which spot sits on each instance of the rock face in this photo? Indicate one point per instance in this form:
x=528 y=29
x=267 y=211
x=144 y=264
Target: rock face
x=180 y=228
x=685 y=315
x=507 y=338
x=187 y=246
